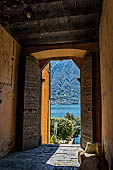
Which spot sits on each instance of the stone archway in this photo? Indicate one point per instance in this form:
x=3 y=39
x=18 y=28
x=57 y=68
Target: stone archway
x=31 y=132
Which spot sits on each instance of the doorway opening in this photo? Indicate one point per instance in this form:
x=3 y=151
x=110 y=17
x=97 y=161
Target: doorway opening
x=61 y=103
x=65 y=102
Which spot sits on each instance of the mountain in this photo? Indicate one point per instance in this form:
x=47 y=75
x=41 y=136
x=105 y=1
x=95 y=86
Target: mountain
x=65 y=89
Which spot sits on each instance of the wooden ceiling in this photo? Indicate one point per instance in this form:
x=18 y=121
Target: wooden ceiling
x=52 y=22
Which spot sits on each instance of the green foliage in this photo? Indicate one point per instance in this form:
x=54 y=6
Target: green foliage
x=52 y=126
x=76 y=131
x=76 y=123
x=67 y=127
x=69 y=116
x=53 y=139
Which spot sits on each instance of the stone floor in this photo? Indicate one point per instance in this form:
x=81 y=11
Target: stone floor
x=45 y=157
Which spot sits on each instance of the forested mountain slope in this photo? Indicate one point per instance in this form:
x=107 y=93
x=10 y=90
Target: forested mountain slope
x=65 y=89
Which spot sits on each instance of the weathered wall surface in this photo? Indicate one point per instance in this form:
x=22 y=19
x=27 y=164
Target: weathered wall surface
x=96 y=89
x=31 y=114
x=90 y=100
x=9 y=56
x=45 y=105
x=86 y=102
x=106 y=62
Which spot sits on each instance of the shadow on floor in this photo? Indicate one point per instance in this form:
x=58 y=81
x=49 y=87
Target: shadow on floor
x=44 y=157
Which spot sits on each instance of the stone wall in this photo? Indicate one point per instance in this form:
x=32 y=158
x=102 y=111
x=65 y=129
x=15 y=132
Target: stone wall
x=31 y=114
x=9 y=57
x=86 y=102
x=106 y=63
x=96 y=94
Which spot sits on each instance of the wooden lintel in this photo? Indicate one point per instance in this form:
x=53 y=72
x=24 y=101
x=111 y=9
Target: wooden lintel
x=93 y=47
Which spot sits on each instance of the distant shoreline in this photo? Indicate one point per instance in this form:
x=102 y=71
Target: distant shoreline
x=59 y=110
x=65 y=104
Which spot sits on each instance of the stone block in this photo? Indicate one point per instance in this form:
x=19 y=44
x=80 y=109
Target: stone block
x=82 y=156
x=90 y=163
x=90 y=148
x=94 y=163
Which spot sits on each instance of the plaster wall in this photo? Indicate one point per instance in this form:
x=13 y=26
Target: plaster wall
x=45 y=105
x=9 y=57
x=106 y=64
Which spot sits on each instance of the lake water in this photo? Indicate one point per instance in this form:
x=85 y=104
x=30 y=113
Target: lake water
x=59 y=111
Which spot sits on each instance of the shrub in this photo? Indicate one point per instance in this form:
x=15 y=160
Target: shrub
x=67 y=127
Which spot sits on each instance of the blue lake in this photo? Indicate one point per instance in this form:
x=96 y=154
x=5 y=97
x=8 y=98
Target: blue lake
x=59 y=111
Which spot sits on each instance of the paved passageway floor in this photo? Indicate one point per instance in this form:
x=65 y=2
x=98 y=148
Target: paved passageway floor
x=45 y=157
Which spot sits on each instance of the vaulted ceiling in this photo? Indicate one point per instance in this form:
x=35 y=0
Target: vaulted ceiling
x=52 y=21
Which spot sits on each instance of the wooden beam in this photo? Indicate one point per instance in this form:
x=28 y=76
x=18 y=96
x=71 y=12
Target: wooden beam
x=56 y=24
x=21 y=2
x=93 y=47
x=77 y=36
x=15 y=13
x=10 y=3
x=73 y=34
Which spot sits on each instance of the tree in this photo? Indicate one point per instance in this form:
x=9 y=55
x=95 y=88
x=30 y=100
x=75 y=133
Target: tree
x=69 y=116
x=67 y=127
x=76 y=123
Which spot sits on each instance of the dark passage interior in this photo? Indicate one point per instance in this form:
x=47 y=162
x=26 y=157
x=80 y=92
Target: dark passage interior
x=32 y=33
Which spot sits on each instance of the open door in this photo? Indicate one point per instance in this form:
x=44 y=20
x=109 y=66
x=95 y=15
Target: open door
x=46 y=104
x=86 y=102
